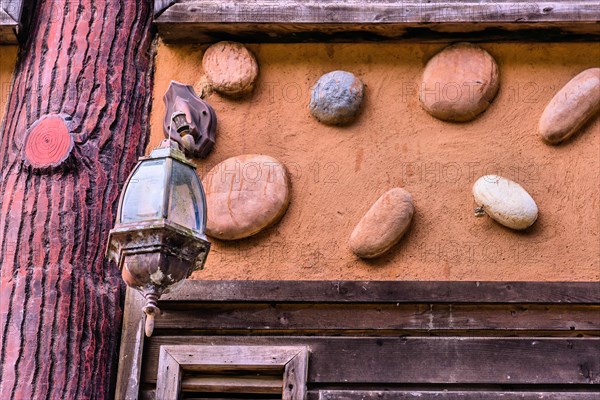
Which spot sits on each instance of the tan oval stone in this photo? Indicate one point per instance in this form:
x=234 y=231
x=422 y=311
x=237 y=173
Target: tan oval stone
x=571 y=107
x=459 y=83
x=244 y=195
x=230 y=68
x=383 y=225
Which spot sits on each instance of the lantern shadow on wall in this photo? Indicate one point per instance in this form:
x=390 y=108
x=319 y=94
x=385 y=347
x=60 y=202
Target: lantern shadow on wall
x=158 y=239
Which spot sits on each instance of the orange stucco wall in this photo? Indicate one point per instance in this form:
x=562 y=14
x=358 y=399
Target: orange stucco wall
x=8 y=58
x=337 y=173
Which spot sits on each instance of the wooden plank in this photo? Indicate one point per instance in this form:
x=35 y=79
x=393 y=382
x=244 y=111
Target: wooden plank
x=11 y=13
x=162 y=5
x=386 y=292
x=232 y=384
x=449 y=395
x=434 y=395
x=132 y=346
x=14 y=8
x=8 y=28
x=295 y=376
x=212 y=358
x=352 y=20
x=379 y=317
x=443 y=360
x=168 y=384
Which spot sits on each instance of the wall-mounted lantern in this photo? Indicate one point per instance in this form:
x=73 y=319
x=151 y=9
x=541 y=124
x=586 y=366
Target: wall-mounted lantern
x=158 y=239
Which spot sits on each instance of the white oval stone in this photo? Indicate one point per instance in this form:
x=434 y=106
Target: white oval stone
x=505 y=201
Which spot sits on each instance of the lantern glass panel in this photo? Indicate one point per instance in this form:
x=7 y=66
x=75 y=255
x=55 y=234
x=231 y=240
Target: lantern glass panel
x=144 y=194
x=187 y=204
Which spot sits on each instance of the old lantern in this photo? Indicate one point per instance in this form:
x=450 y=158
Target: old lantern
x=158 y=239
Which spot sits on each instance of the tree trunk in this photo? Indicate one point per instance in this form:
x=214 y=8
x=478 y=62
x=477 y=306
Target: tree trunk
x=76 y=122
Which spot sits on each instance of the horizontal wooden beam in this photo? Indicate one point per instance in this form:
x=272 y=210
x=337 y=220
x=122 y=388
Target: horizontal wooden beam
x=8 y=28
x=382 y=319
x=431 y=395
x=353 y=20
x=424 y=360
x=447 y=395
x=11 y=24
x=386 y=292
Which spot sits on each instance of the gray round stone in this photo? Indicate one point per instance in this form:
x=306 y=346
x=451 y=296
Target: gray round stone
x=336 y=98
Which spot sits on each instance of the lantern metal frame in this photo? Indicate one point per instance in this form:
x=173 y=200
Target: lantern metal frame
x=156 y=254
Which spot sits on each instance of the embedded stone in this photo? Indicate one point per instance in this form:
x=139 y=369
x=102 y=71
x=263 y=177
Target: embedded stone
x=231 y=69
x=571 y=107
x=336 y=98
x=244 y=195
x=505 y=201
x=459 y=83
x=383 y=225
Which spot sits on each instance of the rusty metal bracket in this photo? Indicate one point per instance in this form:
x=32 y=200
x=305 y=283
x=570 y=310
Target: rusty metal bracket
x=200 y=116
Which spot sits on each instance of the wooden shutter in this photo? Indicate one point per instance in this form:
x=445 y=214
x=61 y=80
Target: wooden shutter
x=232 y=372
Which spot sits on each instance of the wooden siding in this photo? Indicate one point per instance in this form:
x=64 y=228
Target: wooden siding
x=389 y=340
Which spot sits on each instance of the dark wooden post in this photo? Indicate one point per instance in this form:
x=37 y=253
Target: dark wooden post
x=77 y=119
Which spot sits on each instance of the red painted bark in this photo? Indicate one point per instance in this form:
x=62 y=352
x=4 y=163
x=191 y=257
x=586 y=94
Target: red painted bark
x=88 y=62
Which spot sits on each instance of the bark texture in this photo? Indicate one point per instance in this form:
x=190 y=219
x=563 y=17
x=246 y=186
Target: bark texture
x=89 y=63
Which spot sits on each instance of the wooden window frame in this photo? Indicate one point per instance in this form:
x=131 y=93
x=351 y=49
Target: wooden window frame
x=175 y=359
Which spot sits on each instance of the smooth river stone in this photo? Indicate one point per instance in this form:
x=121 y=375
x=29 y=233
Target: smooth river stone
x=459 y=83
x=571 y=107
x=244 y=195
x=383 y=225
x=231 y=68
x=336 y=98
x=505 y=201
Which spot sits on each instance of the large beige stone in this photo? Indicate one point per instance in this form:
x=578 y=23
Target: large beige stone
x=571 y=107
x=230 y=68
x=459 y=83
x=383 y=225
x=505 y=201
x=244 y=195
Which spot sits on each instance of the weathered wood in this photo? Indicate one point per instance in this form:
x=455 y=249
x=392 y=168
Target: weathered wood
x=386 y=310
x=12 y=21
x=132 y=347
x=8 y=28
x=289 y=361
x=386 y=292
x=444 y=360
x=151 y=395
x=448 y=395
x=327 y=318
x=295 y=375
x=60 y=301
x=170 y=375
x=430 y=395
x=232 y=384
x=14 y=8
x=162 y=5
x=353 y=20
